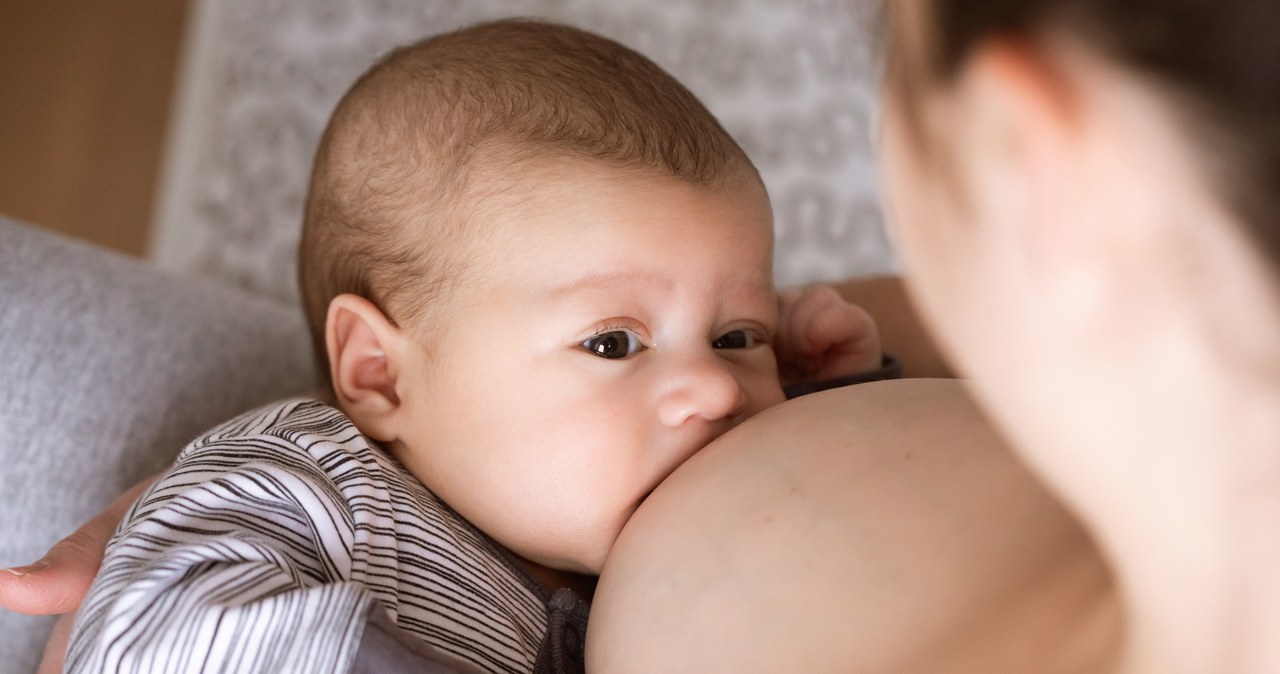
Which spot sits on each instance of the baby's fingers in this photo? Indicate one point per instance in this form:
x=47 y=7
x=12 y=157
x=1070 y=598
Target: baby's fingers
x=797 y=307
x=838 y=325
x=815 y=319
x=847 y=338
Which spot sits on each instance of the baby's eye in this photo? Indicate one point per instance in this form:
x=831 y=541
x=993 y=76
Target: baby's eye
x=737 y=339
x=615 y=344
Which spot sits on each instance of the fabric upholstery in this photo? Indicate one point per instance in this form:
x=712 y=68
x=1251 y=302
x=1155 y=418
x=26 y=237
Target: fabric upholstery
x=107 y=368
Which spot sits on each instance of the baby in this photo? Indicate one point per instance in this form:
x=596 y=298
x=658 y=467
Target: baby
x=538 y=276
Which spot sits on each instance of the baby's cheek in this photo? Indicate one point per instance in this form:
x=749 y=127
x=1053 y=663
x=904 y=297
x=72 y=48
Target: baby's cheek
x=765 y=388
x=593 y=546
x=767 y=394
x=600 y=523
x=595 y=563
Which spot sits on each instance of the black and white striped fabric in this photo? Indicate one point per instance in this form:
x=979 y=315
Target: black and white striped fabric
x=269 y=543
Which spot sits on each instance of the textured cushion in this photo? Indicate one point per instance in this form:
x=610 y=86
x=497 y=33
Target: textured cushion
x=107 y=367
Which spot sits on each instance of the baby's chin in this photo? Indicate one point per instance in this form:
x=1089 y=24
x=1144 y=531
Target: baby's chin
x=589 y=557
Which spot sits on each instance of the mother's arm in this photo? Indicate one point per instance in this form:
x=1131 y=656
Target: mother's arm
x=59 y=581
x=883 y=527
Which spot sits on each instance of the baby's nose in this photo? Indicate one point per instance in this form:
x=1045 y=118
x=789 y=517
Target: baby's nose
x=702 y=388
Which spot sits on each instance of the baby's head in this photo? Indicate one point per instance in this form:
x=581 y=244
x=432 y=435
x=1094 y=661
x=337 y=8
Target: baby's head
x=538 y=270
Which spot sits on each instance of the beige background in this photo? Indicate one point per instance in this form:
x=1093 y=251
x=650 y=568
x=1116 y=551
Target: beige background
x=86 y=88
x=183 y=130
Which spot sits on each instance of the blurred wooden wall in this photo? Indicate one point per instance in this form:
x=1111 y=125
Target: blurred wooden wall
x=85 y=91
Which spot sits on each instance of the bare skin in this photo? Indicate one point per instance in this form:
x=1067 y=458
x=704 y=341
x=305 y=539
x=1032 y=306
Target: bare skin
x=901 y=329
x=884 y=527
x=59 y=581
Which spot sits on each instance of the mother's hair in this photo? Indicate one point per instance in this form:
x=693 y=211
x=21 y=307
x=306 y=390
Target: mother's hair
x=1215 y=59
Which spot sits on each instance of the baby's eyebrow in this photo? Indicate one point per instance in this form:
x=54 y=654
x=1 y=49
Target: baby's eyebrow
x=612 y=280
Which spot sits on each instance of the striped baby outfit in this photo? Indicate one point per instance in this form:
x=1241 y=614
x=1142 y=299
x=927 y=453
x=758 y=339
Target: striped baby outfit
x=273 y=540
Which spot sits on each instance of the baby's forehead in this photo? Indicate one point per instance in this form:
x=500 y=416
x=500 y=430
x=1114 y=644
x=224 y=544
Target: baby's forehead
x=513 y=200
x=600 y=220
x=518 y=178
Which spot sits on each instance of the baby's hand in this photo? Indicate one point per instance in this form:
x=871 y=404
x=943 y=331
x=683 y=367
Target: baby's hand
x=821 y=336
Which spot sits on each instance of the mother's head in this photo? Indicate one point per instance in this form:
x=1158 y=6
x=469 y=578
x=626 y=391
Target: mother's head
x=1087 y=194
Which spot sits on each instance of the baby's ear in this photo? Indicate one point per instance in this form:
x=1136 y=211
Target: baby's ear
x=363 y=346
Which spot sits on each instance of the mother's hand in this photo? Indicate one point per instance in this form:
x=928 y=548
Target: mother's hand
x=882 y=527
x=59 y=581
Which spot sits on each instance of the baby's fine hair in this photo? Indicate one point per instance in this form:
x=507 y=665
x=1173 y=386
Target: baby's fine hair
x=389 y=199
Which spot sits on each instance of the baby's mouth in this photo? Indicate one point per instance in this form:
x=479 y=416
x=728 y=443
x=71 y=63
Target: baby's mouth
x=720 y=429
x=701 y=444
